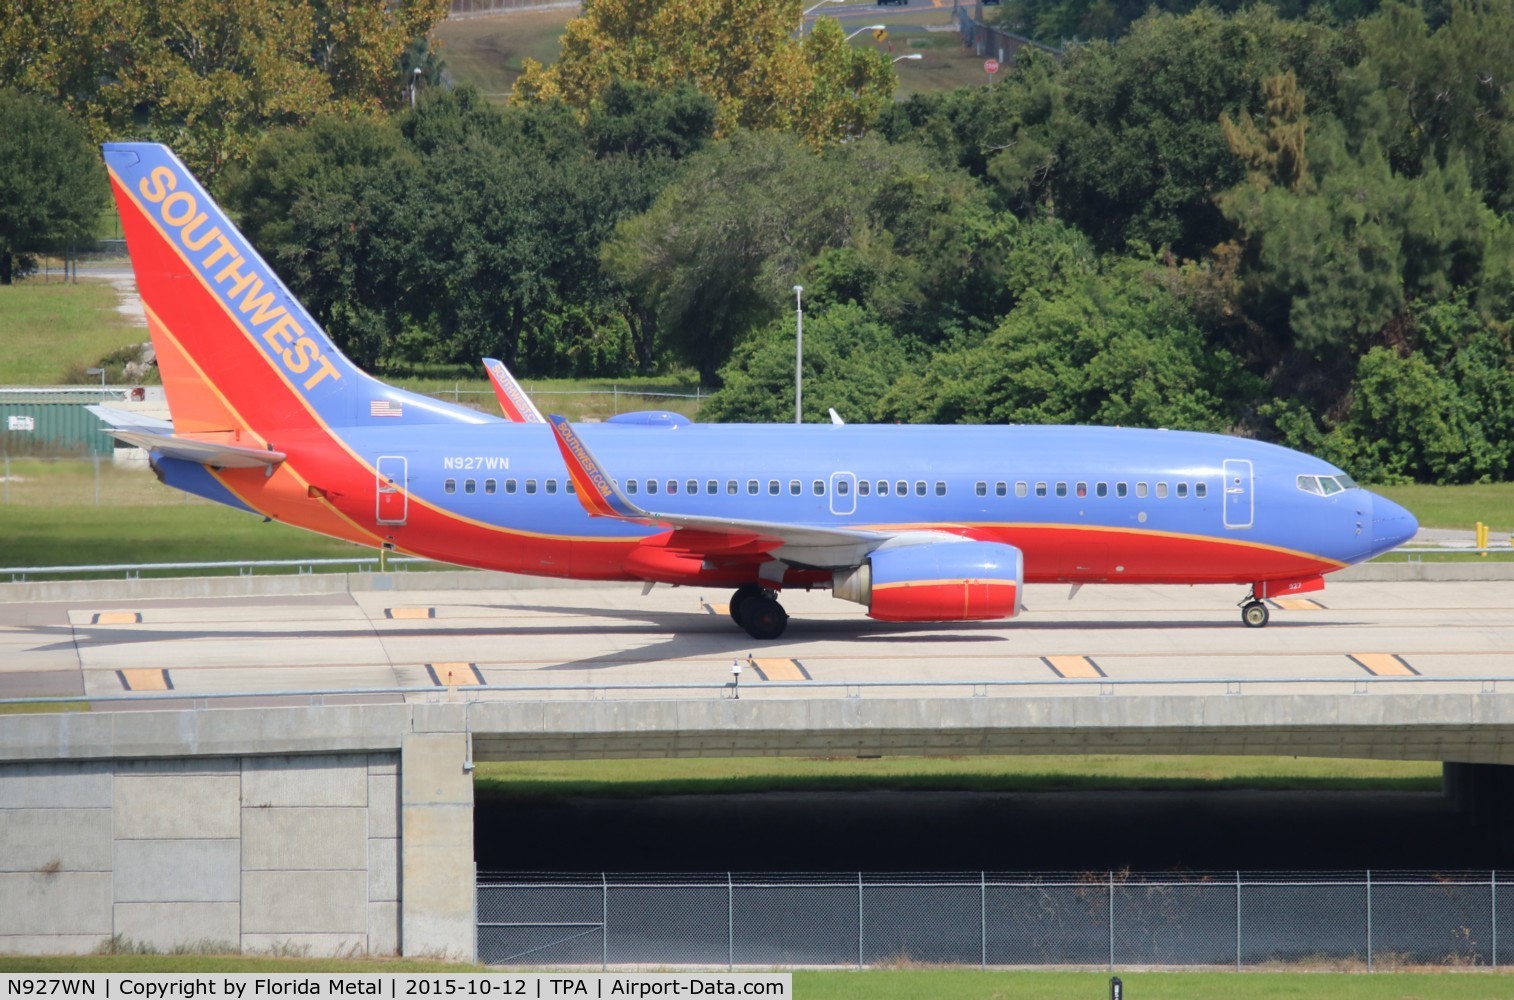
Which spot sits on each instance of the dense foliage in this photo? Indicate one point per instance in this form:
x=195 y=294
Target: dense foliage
x=52 y=187
x=1295 y=223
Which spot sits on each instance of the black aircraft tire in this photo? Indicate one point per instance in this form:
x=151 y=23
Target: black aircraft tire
x=744 y=593
x=763 y=618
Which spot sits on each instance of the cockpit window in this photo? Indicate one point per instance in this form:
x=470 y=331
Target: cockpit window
x=1326 y=485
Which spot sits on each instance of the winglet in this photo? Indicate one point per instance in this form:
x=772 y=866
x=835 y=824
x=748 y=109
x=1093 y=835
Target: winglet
x=595 y=490
x=517 y=406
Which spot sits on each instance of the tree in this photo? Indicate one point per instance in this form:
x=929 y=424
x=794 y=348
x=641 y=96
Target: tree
x=52 y=186
x=207 y=77
x=850 y=361
x=1113 y=347
x=743 y=53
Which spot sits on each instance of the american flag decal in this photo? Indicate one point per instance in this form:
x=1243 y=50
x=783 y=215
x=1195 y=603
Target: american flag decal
x=385 y=408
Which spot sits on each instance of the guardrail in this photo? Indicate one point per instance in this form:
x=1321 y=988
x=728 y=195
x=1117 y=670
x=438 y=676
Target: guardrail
x=134 y=571
x=472 y=693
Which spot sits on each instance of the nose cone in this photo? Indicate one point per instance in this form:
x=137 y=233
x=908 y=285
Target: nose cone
x=1392 y=525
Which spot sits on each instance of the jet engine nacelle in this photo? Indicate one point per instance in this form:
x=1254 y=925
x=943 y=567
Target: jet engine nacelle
x=937 y=582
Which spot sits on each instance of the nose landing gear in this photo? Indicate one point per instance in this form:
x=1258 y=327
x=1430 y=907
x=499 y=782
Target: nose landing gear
x=1254 y=613
x=757 y=611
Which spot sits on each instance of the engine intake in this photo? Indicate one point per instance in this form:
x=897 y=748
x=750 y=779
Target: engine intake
x=937 y=582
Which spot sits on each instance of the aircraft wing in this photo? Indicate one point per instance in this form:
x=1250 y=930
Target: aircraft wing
x=807 y=545
x=157 y=435
x=513 y=401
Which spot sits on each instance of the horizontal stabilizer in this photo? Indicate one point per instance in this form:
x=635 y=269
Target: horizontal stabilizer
x=152 y=434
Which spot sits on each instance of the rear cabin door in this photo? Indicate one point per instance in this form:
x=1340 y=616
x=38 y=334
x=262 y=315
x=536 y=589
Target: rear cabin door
x=1240 y=507
x=393 y=489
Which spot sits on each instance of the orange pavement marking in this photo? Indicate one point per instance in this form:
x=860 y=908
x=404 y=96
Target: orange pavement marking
x=1383 y=664
x=117 y=618
x=145 y=680
x=771 y=669
x=410 y=613
x=1073 y=666
x=454 y=674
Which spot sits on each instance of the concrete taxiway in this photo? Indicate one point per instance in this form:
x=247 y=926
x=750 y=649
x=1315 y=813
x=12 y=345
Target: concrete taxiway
x=558 y=641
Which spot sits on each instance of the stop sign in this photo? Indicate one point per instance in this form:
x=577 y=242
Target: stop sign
x=991 y=66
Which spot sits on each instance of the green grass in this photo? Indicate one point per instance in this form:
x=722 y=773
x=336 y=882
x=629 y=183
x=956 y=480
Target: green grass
x=642 y=778
x=576 y=399
x=51 y=330
x=195 y=531
x=1458 y=506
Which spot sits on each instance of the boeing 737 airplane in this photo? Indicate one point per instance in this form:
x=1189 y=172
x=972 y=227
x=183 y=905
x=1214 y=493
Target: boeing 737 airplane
x=914 y=523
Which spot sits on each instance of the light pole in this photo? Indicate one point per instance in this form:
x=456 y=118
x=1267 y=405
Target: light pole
x=415 y=77
x=912 y=55
x=798 y=354
x=870 y=27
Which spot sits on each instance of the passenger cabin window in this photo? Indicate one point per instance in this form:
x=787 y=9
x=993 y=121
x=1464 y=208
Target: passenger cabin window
x=1021 y=489
x=631 y=487
x=510 y=486
x=651 y=486
x=1200 y=490
x=901 y=489
x=751 y=487
x=940 y=488
x=730 y=487
x=1102 y=490
x=491 y=485
x=1061 y=489
x=530 y=486
x=980 y=489
x=1141 y=490
x=1182 y=490
x=692 y=486
x=919 y=487
x=1001 y=489
x=551 y=487
x=1082 y=489
x=862 y=487
x=1040 y=489
x=794 y=488
x=1161 y=491
x=672 y=487
x=883 y=487
x=711 y=487
x=470 y=486
x=1121 y=489
x=772 y=487
x=450 y=486
x=843 y=488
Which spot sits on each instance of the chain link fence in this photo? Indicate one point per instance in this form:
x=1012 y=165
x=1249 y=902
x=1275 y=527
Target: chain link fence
x=1340 y=920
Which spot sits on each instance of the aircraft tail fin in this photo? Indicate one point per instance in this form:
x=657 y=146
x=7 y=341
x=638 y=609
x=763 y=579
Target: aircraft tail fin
x=237 y=352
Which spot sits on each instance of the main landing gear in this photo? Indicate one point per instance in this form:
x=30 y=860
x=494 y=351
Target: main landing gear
x=756 y=609
x=1254 y=613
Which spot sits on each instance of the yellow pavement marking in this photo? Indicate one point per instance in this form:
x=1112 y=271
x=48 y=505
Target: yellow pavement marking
x=145 y=680
x=1073 y=666
x=771 y=669
x=410 y=613
x=1297 y=604
x=715 y=609
x=117 y=618
x=1383 y=664
x=454 y=674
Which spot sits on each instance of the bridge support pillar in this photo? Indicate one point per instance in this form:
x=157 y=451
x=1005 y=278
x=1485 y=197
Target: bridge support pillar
x=436 y=816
